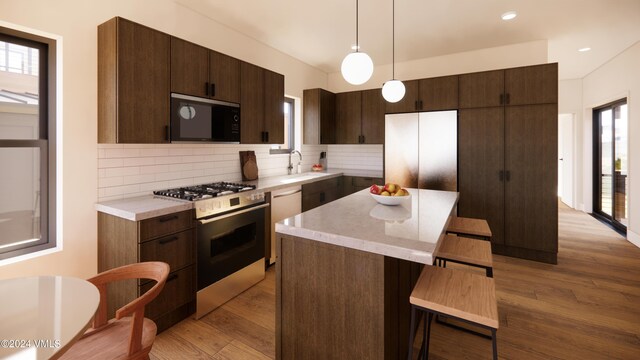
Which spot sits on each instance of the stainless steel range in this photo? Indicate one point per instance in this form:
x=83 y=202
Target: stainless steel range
x=231 y=239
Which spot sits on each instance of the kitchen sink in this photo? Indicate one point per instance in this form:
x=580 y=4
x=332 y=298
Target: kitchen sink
x=302 y=177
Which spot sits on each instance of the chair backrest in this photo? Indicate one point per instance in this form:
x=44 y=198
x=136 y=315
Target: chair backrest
x=153 y=270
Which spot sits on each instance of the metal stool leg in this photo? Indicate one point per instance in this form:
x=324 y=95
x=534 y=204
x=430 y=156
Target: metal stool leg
x=495 y=344
x=428 y=335
x=412 y=331
x=490 y=272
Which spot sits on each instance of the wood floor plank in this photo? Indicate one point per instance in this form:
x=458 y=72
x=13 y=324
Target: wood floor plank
x=586 y=307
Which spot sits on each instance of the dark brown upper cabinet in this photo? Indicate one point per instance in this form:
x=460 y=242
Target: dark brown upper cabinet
x=360 y=117
x=133 y=83
x=529 y=85
x=348 y=117
x=483 y=89
x=319 y=117
x=274 y=107
x=262 y=105
x=373 y=106
x=198 y=71
x=440 y=93
x=409 y=102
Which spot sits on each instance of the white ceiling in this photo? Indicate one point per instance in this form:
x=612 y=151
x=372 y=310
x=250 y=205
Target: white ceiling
x=321 y=32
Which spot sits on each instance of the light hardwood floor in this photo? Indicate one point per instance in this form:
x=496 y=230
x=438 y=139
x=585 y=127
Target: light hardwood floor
x=586 y=307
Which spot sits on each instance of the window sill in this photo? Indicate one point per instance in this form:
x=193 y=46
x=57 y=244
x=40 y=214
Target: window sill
x=33 y=255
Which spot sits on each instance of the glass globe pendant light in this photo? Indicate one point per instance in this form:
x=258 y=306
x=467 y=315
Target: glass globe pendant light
x=357 y=66
x=393 y=90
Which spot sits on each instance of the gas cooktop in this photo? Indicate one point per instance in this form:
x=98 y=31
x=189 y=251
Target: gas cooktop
x=206 y=191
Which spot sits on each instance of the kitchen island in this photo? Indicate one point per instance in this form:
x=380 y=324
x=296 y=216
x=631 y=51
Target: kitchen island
x=345 y=271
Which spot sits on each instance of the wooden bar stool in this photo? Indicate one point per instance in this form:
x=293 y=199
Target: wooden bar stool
x=465 y=251
x=470 y=227
x=462 y=295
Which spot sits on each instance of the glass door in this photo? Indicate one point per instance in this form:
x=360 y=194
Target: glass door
x=611 y=164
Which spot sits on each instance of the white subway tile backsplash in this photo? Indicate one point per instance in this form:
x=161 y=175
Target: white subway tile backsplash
x=127 y=170
x=364 y=157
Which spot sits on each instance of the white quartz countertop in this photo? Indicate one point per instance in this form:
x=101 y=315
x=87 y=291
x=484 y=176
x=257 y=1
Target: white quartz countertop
x=410 y=231
x=145 y=207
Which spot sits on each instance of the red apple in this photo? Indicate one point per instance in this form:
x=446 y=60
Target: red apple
x=374 y=189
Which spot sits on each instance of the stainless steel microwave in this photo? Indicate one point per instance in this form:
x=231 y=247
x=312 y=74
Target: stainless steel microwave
x=195 y=119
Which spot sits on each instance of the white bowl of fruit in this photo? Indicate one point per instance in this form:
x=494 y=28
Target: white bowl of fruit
x=389 y=194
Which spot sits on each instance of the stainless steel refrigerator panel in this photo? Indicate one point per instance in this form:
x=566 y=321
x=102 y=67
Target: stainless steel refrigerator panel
x=438 y=150
x=401 y=150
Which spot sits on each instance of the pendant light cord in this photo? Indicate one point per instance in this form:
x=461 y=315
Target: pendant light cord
x=357 y=44
x=393 y=40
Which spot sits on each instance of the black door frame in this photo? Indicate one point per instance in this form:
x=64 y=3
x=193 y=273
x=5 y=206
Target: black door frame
x=597 y=167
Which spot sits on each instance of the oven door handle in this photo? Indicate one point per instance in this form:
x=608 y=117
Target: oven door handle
x=206 y=221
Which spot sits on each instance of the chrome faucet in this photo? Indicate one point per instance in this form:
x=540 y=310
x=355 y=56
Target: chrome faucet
x=290 y=167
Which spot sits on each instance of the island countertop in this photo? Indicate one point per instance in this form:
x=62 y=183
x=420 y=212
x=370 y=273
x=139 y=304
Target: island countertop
x=409 y=231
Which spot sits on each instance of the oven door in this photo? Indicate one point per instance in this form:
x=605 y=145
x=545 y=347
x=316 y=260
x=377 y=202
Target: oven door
x=229 y=243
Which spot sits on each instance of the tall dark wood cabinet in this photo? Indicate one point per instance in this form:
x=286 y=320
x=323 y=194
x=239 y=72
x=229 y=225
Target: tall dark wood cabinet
x=262 y=105
x=348 y=117
x=133 y=83
x=531 y=178
x=508 y=143
x=319 y=117
x=481 y=167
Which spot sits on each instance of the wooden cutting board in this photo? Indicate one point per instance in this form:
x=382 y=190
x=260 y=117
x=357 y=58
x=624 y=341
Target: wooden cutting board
x=248 y=165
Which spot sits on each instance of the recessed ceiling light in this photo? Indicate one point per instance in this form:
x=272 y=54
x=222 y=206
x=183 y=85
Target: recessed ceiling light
x=355 y=47
x=584 y=49
x=509 y=15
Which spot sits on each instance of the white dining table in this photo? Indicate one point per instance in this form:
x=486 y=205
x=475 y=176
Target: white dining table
x=41 y=317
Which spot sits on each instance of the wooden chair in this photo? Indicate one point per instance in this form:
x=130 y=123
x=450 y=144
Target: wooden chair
x=469 y=227
x=129 y=335
x=462 y=295
x=465 y=251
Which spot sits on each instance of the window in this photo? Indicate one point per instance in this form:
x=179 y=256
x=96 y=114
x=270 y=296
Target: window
x=289 y=129
x=611 y=176
x=27 y=143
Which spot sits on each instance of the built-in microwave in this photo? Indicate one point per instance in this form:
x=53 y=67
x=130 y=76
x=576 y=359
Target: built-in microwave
x=195 y=119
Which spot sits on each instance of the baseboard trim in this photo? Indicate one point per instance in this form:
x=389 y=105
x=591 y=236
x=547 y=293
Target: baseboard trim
x=633 y=238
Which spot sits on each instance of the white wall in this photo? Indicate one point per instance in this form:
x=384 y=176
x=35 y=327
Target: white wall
x=618 y=78
x=570 y=102
x=76 y=22
x=501 y=57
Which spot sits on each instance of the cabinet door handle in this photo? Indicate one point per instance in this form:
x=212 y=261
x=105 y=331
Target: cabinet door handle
x=415 y=105
x=508 y=175
x=267 y=135
x=501 y=175
x=501 y=99
x=508 y=98
x=363 y=139
x=206 y=88
x=421 y=105
x=172 y=277
x=166 y=241
x=168 y=218
x=213 y=89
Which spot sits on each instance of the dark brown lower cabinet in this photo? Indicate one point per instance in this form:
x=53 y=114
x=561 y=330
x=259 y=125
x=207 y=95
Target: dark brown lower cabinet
x=320 y=192
x=351 y=184
x=168 y=238
x=507 y=174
